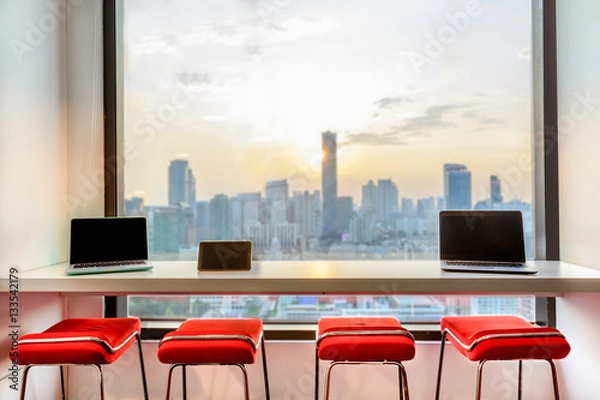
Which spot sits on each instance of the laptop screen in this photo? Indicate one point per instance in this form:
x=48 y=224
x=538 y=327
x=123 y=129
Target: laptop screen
x=482 y=236
x=108 y=239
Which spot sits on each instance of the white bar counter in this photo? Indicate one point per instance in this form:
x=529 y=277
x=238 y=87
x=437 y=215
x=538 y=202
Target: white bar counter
x=312 y=277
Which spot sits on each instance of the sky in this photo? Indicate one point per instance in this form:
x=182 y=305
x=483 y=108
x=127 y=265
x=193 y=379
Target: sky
x=243 y=89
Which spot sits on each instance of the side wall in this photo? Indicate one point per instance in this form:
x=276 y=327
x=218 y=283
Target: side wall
x=33 y=165
x=579 y=143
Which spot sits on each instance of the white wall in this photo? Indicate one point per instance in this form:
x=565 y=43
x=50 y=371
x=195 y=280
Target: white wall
x=579 y=163
x=33 y=166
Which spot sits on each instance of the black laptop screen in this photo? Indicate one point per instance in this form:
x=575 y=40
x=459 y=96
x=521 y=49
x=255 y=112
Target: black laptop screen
x=108 y=239
x=482 y=236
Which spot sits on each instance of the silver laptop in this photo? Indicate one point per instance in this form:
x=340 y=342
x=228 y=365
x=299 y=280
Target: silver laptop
x=483 y=241
x=100 y=245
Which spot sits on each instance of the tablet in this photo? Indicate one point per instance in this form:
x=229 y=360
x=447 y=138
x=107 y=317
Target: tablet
x=225 y=255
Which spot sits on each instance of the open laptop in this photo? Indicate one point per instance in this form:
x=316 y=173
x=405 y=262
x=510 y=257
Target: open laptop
x=100 y=245
x=483 y=241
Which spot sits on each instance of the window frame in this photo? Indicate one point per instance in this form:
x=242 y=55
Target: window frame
x=544 y=145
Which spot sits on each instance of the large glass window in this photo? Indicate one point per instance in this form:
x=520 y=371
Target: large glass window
x=324 y=130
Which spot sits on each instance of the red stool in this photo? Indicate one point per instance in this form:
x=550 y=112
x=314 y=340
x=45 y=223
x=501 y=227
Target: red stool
x=214 y=341
x=484 y=338
x=77 y=341
x=368 y=340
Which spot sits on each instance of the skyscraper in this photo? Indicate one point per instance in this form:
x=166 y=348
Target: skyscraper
x=276 y=193
x=387 y=200
x=345 y=212
x=182 y=184
x=220 y=217
x=369 y=197
x=457 y=187
x=329 y=184
x=495 y=191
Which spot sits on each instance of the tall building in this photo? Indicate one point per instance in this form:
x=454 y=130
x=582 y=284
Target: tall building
x=134 y=207
x=387 y=200
x=163 y=228
x=495 y=191
x=369 y=197
x=276 y=194
x=202 y=221
x=306 y=213
x=329 y=184
x=220 y=217
x=457 y=187
x=345 y=212
x=182 y=184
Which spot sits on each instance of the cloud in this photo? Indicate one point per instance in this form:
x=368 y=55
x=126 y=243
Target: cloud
x=193 y=78
x=483 y=120
x=416 y=127
x=391 y=102
x=432 y=120
x=373 y=139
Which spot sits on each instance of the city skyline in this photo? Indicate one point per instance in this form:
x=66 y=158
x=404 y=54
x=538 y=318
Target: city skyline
x=248 y=95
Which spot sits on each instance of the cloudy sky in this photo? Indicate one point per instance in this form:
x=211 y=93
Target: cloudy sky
x=244 y=88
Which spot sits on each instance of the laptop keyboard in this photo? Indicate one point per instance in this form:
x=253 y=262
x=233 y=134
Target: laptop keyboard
x=487 y=263
x=109 y=264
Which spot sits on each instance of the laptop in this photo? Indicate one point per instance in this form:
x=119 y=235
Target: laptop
x=101 y=245
x=483 y=241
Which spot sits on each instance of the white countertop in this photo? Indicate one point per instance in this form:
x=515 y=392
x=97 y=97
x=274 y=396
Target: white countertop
x=312 y=277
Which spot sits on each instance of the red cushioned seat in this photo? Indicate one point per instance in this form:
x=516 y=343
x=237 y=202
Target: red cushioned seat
x=363 y=340
x=489 y=338
x=360 y=347
x=79 y=341
x=214 y=341
x=91 y=341
x=501 y=337
x=195 y=346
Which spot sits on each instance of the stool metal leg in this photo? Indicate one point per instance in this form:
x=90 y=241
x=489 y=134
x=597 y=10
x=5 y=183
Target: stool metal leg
x=265 y=371
x=246 y=387
x=170 y=378
x=101 y=376
x=144 y=383
x=479 y=379
x=62 y=382
x=24 y=384
x=439 y=376
x=184 y=381
x=317 y=374
x=520 y=384
x=554 y=379
x=402 y=379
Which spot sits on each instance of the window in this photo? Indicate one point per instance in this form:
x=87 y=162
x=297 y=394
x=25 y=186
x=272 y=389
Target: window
x=324 y=130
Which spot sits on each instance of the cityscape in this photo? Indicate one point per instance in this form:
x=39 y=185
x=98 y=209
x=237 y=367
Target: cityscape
x=317 y=225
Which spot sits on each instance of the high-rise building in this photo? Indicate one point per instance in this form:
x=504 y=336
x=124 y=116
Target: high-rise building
x=276 y=194
x=495 y=191
x=220 y=217
x=329 y=184
x=134 y=207
x=163 y=228
x=387 y=200
x=182 y=184
x=202 y=221
x=457 y=187
x=306 y=213
x=345 y=212
x=369 y=197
